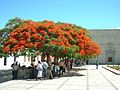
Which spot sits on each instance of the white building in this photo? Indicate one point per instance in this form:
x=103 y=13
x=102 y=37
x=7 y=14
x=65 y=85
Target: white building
x=109 y=40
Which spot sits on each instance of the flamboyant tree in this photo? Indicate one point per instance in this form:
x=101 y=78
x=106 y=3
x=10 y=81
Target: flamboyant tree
x=51 y=39
x=2 y=39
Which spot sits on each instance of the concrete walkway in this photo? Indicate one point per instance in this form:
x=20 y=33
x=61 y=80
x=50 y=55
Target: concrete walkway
x=90 y=79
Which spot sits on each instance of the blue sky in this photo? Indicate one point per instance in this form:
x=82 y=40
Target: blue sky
x=90 y=14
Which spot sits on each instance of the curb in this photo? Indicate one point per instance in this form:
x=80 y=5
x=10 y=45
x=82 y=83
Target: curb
x=111 y=70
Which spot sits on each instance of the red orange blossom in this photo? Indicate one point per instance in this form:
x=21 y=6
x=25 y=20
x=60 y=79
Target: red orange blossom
x=37 y=34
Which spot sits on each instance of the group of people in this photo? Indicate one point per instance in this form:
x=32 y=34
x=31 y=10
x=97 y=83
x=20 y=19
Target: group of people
x=41 y=70
x=45 y=71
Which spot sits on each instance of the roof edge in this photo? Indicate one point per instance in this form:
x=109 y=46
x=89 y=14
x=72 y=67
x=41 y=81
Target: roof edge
x=104 y=29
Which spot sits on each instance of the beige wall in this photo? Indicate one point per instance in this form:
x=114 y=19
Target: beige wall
x=109 y=40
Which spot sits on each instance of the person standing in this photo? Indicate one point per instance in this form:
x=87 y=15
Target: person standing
x=15 y=68
x=45 y=67
x=97 y=63
x=32 y=74
x=61 y=64
x=39 y=70
x=53 y=69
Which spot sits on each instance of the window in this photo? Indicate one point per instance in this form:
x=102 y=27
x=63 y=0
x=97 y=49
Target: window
x=109 y=59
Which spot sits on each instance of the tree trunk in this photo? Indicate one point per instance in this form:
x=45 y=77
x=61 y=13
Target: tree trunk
x=32 y=58
x=14 y=58
x=48 y=59
x=28 y=58
x=43 y=56
x=24 y=58
x=68 y=66
x=5 y=61
x=38 y=57
x=56 y=59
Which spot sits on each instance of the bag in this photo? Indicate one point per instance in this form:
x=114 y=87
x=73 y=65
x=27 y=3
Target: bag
x=44 y=66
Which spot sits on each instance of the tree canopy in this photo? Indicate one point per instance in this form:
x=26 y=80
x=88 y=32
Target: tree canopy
x=27 y=37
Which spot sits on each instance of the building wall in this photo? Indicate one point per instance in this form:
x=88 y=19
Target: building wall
x=21 y=59
x=109 y=40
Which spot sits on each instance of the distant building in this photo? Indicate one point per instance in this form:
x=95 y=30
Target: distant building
x=109 y=40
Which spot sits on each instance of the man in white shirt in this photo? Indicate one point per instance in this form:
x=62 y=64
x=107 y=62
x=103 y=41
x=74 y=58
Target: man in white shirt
x=39 y=70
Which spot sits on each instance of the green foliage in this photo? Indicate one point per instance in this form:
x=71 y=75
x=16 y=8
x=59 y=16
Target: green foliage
x=12 y=25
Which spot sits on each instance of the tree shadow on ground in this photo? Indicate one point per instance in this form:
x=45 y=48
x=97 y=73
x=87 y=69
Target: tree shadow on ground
x=5 y=75
x=78 y=69
x=74 y=72
x=71 y=74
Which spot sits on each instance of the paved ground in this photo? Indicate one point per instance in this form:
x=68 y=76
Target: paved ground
x=90 y=79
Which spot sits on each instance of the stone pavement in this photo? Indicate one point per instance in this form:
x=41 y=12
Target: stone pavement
x=90 y=79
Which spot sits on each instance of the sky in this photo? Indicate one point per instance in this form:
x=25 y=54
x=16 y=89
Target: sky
x=90 y=14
